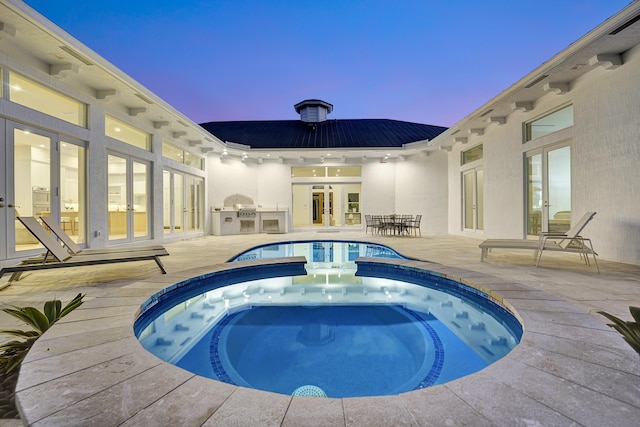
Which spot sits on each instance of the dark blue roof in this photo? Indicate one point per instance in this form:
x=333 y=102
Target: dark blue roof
x=357 y=133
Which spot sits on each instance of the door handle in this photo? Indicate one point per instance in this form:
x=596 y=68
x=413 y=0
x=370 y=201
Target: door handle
x=12 y=206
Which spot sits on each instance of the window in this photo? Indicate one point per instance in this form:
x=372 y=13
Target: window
x=172 y=152
x=193 y=161
x=344 y=171
x=298 y=172
x=557 y=120
x=472 y=154
x=177 y=154
x=26 y=92
x=124 y=132
x=322 y=171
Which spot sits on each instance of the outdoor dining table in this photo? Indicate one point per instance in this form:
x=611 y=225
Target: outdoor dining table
x=396 y=224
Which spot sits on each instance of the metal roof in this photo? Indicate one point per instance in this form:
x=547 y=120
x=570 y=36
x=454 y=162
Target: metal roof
x=334 y=133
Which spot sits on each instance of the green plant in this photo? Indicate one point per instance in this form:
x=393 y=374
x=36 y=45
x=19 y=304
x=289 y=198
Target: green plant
x=630 y=331
x=12 y=353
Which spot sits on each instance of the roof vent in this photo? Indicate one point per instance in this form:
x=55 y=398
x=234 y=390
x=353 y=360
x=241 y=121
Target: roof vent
x=313 y=110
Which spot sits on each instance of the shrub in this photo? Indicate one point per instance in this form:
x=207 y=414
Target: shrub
x=630 y=331
x=12 y=353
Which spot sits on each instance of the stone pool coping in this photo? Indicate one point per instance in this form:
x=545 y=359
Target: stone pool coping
x=90 y=369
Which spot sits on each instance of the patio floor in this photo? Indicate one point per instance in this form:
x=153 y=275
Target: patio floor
x=570 y=368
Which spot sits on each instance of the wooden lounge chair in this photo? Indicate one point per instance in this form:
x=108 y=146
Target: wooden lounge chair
x=73 y=247
x=58 y=257
x=571 y=241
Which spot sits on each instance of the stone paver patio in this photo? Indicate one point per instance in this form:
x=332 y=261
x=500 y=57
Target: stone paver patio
x=570 y=368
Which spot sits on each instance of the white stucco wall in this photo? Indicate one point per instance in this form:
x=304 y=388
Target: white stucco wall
x=605 y=163
x=422 y=189
x=415 y=186
x=231 y=176
x=274 y=186
x=607 y=159
x=378 y=188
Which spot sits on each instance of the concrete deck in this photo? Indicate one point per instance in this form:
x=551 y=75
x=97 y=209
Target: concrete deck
x=570 y=368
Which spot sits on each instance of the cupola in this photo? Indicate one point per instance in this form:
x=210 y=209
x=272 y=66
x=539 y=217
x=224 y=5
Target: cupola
x=313 y=110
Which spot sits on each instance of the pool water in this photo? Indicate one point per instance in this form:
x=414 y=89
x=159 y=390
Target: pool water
x=349 y=327
x=344 y=350
x=320 y=251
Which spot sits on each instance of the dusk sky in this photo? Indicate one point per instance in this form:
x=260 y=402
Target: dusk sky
x=424 y=61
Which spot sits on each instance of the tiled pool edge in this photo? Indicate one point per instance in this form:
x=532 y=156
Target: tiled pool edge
x=518 y=387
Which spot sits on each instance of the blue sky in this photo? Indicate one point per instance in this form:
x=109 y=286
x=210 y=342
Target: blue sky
x=425 y=61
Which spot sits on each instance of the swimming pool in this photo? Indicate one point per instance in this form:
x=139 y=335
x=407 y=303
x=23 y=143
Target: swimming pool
x=434 y=329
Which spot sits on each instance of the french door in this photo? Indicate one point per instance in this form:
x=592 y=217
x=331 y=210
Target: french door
x=322 y=212
x=549 y=189
x=473 y=200
x=43 y=175
x=183 y=202
x=128 y=198
x=326 y=205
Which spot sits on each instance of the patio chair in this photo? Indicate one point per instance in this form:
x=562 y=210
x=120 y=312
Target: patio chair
x=73 y=247
x=368 y=224
x=571 y=241
x=58 y=257
x=415 y=226
x=377 y=223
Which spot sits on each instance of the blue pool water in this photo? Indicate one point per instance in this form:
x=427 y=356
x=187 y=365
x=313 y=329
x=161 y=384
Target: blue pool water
x=347 y=351
x=346 y=328
x=322 y=251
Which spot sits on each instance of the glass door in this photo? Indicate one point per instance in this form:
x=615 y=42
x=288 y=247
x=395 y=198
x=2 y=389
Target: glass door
x=29 y=166
x=173 y=202
x=322 y=213
x=326 y=205
x=72 y=210
x=473 y=200
x=42 y=175
x=128 y=198
x=4 y=192
x=195 y=203
x=549 y=190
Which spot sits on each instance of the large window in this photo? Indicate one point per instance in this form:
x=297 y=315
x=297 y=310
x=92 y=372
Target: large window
x=557 y=120
x=124 y=132
x=26 y=92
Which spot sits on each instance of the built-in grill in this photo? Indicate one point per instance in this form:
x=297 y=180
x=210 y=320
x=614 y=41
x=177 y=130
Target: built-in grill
x=245 y=211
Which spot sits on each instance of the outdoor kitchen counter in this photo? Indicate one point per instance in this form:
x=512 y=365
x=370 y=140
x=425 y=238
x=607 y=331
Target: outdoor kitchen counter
x=229 y=221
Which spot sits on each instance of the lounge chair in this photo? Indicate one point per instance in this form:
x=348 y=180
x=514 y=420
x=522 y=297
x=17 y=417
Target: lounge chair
x=73 y=247
x=58 y=257
x=571 y=241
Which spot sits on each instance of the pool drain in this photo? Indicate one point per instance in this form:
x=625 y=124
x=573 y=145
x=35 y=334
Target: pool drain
x=309 y=390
